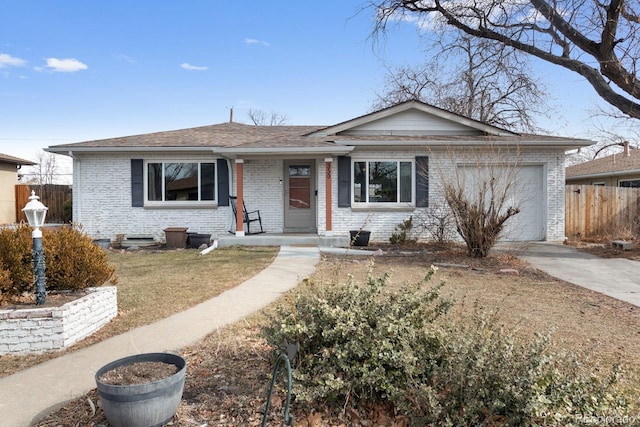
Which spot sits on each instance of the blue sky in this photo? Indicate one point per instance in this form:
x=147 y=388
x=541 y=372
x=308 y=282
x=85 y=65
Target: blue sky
x=80 y=70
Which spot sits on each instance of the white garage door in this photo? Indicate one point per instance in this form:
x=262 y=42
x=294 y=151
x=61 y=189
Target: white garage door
x=527 y=194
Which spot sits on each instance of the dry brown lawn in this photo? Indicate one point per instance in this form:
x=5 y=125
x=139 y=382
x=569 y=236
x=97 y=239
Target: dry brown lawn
x=154 y=284
x=228 y=372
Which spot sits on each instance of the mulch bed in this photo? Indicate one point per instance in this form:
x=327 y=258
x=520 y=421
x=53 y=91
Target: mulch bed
x=138 y=373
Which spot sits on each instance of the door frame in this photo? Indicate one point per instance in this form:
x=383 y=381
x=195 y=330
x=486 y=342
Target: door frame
x=312 y=226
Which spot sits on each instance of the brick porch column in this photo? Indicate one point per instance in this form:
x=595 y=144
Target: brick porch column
x=240 y=198
x=328 y=162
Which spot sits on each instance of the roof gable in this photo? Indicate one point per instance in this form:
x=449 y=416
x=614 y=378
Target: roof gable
x=413 y=118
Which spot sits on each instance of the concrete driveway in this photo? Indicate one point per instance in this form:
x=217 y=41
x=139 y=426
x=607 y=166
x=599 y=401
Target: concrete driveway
x=616 y=277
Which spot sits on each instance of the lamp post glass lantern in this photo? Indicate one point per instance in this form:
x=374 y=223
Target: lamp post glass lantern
x=35 y=213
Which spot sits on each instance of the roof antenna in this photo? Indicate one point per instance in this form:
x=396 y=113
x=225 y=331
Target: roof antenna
x=231 y=115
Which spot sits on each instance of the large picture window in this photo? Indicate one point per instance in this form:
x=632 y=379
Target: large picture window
x=387 y=181
x=181 y=182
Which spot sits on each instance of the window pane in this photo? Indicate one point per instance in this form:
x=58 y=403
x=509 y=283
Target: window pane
x=405 y=182
x=207 y=181
x=181 y=181
x=299 y=187
x=154 y=181
x=383 y=182
x=359 y=181
x=299 y=171
x=632 y=183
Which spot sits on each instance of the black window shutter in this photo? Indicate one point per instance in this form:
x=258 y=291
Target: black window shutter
x=137 y=183
x=344 y=181
x=223 y=182
x=422 y=181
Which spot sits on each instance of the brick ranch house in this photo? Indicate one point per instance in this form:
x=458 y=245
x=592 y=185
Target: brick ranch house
x=372 y=172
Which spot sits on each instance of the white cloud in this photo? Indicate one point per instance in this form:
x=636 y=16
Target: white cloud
x=68 y=65
x=7 y=60
x=255 y=41
x=187 y=66
x=126 y=58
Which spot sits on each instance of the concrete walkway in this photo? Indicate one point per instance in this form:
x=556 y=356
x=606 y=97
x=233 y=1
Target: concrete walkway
x=30 y=395
x=616 y=277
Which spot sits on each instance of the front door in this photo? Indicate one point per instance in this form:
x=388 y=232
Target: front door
x=299 y=197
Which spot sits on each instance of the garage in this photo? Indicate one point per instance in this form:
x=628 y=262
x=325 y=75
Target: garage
x=524 y=188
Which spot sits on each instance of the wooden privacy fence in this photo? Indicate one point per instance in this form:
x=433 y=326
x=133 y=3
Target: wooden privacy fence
x=600 y=211
x=53 y=196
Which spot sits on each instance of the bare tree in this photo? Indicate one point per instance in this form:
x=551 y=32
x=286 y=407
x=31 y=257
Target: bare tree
x=45 y=171
x=260 y=118
x=599 y=40
x=50 y=169
x=476 y=78
x=480 y=188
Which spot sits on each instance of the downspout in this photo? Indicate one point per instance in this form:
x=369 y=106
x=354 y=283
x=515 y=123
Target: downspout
x=77 y=187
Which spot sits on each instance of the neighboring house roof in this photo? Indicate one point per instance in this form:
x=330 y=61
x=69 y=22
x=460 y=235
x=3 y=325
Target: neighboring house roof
x=613 y=165
x=235 y=139
x=5 y=158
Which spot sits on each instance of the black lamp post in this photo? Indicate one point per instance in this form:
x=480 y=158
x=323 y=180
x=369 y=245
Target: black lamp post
x=35 y=213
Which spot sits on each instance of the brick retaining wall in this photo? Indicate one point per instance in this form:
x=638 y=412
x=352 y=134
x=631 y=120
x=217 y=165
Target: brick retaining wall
x=36 y=330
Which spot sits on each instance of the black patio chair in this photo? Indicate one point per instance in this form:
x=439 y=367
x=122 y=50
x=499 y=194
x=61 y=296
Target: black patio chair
x=248 y=216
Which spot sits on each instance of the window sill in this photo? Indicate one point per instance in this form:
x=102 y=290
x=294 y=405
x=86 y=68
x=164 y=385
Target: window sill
x=376 y=208
x=181 y=205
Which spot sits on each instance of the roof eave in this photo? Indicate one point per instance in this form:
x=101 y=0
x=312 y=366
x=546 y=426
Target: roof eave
x=605 y=174
x=68 y=151
x=564 y=144
x=279 y=151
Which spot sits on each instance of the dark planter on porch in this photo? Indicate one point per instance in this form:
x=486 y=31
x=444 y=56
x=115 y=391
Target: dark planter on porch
x=359 y=237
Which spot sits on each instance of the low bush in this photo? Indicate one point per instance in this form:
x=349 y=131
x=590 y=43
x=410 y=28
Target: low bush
x=363 y=342
x=367 y=343
x=72 y=261
x=486 y=375
x=401 y=231
x=16 y=259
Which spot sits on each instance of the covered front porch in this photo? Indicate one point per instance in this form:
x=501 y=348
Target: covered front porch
x=286 y=239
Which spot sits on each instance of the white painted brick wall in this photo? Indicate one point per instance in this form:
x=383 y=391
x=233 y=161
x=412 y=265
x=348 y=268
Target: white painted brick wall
x=382 y=223
x=54 y=328
x=102 y=199
x=263 y=190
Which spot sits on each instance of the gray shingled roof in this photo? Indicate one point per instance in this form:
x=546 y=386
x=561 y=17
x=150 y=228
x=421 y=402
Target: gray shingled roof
x=234 y=138
x=615 y=164
x=5 y=158
x=221 y=135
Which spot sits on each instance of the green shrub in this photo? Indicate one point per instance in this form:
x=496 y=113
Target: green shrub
x=359 y=341
x=16 y=259
x=73 y=261
x=67 y=211
x=367 y=343
x=401 y=230
x=487 y=376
